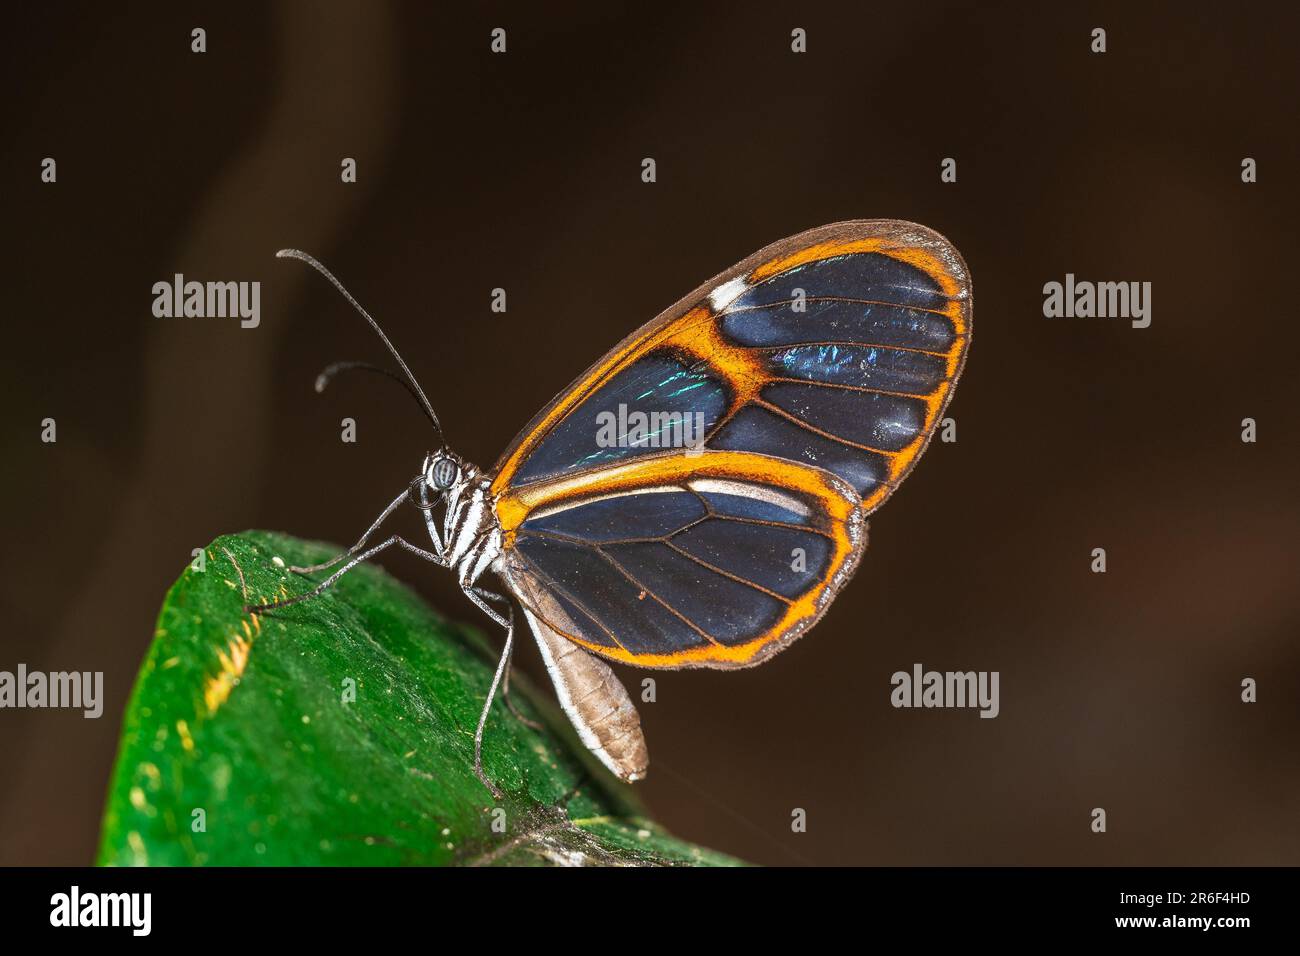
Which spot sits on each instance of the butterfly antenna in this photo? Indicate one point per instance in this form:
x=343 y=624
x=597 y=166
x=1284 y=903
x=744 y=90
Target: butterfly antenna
x=323 y=379
x=328 y=373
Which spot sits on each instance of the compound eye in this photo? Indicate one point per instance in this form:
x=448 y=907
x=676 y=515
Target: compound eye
x=443 y=473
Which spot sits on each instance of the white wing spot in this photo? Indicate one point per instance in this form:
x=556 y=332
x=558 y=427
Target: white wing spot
x=758 y=492
x=728 y=292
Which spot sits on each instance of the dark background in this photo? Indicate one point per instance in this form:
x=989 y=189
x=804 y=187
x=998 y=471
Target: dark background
x=523 y=171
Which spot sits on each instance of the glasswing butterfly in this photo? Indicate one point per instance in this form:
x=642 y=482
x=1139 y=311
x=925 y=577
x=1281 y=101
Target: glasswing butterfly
x=698 y=496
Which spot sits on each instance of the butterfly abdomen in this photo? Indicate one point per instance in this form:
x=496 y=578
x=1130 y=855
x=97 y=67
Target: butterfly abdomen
x=595 y=702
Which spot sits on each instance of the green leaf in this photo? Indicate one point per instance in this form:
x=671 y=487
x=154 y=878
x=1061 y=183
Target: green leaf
x=241 y=746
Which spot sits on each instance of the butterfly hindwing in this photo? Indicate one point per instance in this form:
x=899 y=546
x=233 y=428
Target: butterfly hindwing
x=717 y=559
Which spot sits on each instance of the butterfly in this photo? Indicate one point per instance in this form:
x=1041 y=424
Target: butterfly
x=699 y=495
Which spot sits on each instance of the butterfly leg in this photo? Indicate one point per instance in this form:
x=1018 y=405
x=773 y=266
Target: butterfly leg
x=505 y=679
x=364 y=556
x=509 y=624
x=510 y=701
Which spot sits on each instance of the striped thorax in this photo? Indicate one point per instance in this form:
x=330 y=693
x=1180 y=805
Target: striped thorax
x=470 y=530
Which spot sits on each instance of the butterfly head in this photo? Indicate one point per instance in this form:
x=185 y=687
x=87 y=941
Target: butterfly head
x=445 y=475
x=442 y=470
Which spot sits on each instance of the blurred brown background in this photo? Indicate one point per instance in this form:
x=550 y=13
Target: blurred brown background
x=522 y=171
